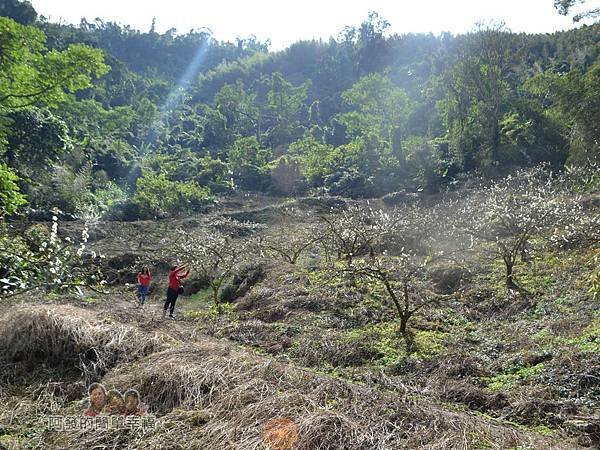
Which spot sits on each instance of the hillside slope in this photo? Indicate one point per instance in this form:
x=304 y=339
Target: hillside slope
x=206 y=393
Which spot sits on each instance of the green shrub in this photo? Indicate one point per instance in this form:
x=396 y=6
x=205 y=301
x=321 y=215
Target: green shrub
x=10 y=196
x=428 y=343
x=157 y=196
x=248 y=161
x=513 y=377
x=589 y=340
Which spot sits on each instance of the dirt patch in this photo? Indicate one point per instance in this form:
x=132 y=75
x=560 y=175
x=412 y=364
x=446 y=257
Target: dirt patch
x=448 y=280
x=242 y=282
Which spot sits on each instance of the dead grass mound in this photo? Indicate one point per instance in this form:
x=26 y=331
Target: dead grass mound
x=69 y=338
x=474 y=397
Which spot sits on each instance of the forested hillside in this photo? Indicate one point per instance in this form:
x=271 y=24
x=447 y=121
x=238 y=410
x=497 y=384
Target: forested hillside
x=381 y=241
x=103 y=119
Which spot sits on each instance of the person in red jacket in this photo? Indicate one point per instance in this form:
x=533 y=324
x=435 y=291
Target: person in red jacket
x=175 y=277
x=144 y=279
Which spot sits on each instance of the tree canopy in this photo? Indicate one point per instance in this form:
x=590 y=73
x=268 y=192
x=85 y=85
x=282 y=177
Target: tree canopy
x=151 y=115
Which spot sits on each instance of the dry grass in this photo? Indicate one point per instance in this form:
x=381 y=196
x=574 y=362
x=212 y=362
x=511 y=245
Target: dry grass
x=209 y=394
x=238 y=394
x=69 y=338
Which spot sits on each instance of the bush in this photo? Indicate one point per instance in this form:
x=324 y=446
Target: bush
x=349 y=182
x=64 y=188
x=40 y=258
x=127 y=210
x=248 y=161
x=10 y=197
x=286 y=176
x=448 y=280
x=424 y=163
x=157 y=196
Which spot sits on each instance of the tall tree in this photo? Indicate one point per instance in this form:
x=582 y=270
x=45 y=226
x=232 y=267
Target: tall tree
x=379 y=108
x=31 y=74
x=478 y=91
x=564 y=7
x=240 y=109
x=36 y=139
x=248 y=160
x=20 y=11
x=369 y=43
x=284 y=104
x=575 y=98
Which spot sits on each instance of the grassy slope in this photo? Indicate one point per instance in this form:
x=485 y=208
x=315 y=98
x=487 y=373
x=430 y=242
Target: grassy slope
x=490 y=370
x=533 y=360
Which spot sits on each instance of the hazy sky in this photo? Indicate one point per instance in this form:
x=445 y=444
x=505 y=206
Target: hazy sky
x=284 y=21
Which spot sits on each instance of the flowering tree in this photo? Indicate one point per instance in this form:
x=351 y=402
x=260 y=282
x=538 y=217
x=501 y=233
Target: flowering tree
x=42 y=259
x=582 y=182
x=359 y=230
x=213 y=252
x=402 y=280
x=402 y=246
x=508 y=213
x=293 y=234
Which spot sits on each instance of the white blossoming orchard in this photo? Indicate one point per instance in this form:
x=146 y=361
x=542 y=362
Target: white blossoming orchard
x=510 y=212
x=290 y=237
x=212 y=251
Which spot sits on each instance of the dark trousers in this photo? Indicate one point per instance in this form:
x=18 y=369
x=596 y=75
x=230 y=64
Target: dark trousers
x=171 y=299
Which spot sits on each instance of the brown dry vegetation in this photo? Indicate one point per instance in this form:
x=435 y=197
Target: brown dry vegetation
x=210 y=394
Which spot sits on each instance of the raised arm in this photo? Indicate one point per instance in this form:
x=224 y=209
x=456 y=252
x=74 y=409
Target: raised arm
x=180 y=268
x=184 y=275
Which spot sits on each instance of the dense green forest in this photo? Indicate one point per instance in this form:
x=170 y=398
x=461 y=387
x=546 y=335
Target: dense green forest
x=104 y=120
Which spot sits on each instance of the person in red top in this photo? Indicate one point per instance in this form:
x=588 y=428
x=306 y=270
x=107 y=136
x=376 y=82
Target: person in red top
x=175 y=277
x=144 y=279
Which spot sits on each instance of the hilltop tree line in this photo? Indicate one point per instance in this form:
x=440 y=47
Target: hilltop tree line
x=101 y=120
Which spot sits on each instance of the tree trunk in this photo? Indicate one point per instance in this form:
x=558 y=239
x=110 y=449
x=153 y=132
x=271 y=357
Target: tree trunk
x=403 y=323
x=410 y=343
x=294 y=258
x=510 y=283
x=406 y=334
x=326 y=250
x=215 y=290
x=495 y=142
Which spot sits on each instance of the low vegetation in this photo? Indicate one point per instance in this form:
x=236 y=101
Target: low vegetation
x=393 y=240
x=402 y=311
